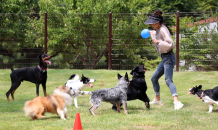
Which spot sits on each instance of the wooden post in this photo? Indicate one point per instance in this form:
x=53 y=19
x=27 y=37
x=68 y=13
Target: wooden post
x=177 y=41
x=45 y=36
x=110 y=41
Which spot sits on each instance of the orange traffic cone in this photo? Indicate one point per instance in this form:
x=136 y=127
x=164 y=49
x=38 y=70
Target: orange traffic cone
x=77 y=123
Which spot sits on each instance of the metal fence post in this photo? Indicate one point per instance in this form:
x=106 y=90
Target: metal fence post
x=45 y=35
x=110 y=41
x=177 y=41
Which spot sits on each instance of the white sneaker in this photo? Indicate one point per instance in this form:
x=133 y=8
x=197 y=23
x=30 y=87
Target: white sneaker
x=178 y=105
x=157 y=102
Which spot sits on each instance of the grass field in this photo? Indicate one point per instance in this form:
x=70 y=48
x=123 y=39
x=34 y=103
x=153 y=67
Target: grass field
x=192 y=116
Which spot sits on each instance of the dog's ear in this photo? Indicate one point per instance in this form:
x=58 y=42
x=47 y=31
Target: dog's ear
x=119 y=76
x=126 y=77
x=82 y=78
x=132 y=71
x=200 y=86
x=39 y=57
x=143 y=66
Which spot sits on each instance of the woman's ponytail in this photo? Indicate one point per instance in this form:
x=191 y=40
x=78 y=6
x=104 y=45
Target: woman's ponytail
x=158 y=14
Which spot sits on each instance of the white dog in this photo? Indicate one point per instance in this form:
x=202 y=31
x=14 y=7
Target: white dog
x=77 y=85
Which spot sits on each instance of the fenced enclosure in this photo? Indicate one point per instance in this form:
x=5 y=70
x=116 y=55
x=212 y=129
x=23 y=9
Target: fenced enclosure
x=198 y=41
x=105 y=41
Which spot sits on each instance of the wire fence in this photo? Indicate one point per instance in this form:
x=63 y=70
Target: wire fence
x=199 y=41
x=128 y=47
x=105 y=41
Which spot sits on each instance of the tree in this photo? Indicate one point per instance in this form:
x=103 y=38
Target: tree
x=77 y=34
x=78 y=30
x=183 y=5
x=198 y=42
x=14 y=15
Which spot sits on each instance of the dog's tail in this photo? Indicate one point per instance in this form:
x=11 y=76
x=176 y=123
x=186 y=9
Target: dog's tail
x=12 y=69
x=72 y=76
x=30 y=110
x=84 y=92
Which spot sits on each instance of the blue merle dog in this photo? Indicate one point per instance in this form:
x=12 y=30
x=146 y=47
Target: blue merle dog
x=115 y=95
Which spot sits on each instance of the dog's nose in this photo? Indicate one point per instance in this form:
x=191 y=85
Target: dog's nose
x=70 y=87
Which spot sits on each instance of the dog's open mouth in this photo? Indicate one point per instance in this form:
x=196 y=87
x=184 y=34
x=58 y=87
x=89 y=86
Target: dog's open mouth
x=90 y=85
x=190 y=93
x=48 y=62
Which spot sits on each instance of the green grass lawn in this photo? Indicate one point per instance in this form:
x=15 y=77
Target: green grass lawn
x=192 y=116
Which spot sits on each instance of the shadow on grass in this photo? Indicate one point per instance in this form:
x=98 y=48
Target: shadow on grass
x=47 y=118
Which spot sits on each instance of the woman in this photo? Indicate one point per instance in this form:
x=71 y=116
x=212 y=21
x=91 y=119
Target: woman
x=164 y=44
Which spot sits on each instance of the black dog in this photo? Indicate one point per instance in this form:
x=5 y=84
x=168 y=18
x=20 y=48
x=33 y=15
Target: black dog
x=37 y=75
x=137 y=87
x=209 y=96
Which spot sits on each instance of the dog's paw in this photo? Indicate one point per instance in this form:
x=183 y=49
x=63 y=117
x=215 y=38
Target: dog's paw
x=92 y=112
x=147 y=105
x=114 y=108
x=63 y=118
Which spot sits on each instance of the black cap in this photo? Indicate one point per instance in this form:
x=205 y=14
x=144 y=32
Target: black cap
x=152 y=20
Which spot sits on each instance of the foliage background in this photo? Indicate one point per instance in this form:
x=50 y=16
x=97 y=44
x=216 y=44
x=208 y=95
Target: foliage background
x=78 y=32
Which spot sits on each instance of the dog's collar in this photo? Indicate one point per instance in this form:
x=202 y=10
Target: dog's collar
x=43 y=70
x=202 y=94
x=74 y=90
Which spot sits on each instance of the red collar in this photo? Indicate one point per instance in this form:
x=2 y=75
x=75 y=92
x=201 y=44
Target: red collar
x=42 y=68
x=201 y=94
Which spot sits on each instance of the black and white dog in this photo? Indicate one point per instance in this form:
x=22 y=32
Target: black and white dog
x=137 y=87
x=115 y=95
x=209 y=96
x=78 y=84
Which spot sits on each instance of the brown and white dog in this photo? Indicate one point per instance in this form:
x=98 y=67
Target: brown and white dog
x=56 y=103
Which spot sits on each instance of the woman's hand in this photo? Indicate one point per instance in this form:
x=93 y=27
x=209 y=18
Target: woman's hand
x=155 y=41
